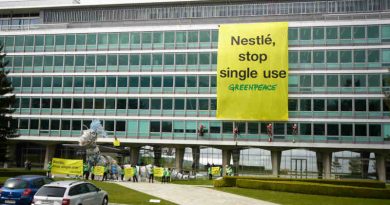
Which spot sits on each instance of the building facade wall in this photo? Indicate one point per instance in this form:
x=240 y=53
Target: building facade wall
x=157 y=84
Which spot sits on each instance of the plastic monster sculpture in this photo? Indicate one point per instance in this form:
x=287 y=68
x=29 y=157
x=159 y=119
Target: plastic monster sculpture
x=88 y=140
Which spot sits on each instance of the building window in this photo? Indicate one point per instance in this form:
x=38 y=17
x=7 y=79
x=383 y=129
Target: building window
x=305 y=105
x=305 y=128
x=346 y=105
x=332 y=105
x=360 y=130
x=154 y=126
x=109 y=125
x=360 y=105
x=333 y=129
x=120 y=126
x=374 y=105
x=166 y=126
x=155 y=104
x=375 y=130
x=227 y=127
x=346 y=130
x=319 y=105
x=319 y=129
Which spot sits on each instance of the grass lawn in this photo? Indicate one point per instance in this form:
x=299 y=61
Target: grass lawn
x=118 y=194
x=123 y=195
x=193 y=182
x=3 y=179
x=286 y=198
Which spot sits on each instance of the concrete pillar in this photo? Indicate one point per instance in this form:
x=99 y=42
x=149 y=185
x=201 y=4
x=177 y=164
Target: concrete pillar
x=49 y=154
x=319 y=164
x=10 y=155
x=134 y=155
x=276 y=157
x=236 y=160
x=195 y=158
x=179 y=158
x=327 y=164
x=381 y=166
x=157 y=156
x=364 y=158
x=226 y=157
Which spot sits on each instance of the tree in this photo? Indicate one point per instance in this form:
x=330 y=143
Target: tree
x=355 y=166
x=336 y=165
x=7 y=99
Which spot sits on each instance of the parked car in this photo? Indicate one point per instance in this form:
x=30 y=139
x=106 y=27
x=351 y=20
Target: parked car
x=20 y=190
x=70 y=193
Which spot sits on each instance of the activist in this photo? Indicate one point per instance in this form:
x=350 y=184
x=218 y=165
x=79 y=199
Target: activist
x=163 y=178
x=151 y=173
x=92 y=173
x=114 y=172
x=48 y=174
x=229 y=170
x=209 y=171
x=106 y=170
x=269 y=132
x=294 y=131
x=135 y=174
x=168 y=176
x=86 y=171
x=122 y=172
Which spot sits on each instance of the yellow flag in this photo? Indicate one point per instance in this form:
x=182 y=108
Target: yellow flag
x=252 y=78
x=98 y=170
x=116 y=143
x=158 y=171
x=67 y=166
x=129 y=172
x=215 y=171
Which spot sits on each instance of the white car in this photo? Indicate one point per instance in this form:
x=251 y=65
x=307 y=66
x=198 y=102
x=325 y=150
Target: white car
x=70 y=193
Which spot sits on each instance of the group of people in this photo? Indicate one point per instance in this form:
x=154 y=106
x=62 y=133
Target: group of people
x=27 y=164
x=165 y=178
x=138 y=173
x=229 y=170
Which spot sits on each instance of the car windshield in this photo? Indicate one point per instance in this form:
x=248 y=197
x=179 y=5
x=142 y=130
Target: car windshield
x=15 y=184
x=51 y=191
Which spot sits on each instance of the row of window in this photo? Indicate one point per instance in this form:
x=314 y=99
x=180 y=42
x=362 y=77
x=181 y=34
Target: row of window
x=328 y=104
x=338 y=104
x=184 y=39
x=339 y=32
x=93 y=41
x=14 y=21
x=209 y=127
x=212 y=10
x=118 y=103
x=69 y=63
x=194 y=81
x=156 y=59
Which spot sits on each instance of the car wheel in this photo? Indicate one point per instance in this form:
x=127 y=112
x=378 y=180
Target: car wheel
x=105 y=201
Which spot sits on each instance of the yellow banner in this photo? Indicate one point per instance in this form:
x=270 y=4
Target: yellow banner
x=67 y=166
x=158 y=171
x=116 y=143
x=98 y=170
x=129 y=172
x=215 y=171
x=252 y=79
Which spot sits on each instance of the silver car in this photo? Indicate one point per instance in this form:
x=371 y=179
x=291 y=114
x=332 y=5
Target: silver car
x=70 y=193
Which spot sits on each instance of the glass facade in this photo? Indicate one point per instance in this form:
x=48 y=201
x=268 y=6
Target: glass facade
x=161 y=82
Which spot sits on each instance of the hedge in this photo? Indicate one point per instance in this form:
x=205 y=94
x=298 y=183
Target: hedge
x=231 y=181
x=17 y=172
x=315 y=188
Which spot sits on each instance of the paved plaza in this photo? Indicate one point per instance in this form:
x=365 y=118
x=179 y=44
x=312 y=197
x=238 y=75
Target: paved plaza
x=191 y=195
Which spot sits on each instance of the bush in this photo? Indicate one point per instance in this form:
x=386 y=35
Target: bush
x=17 y=172
x=314 y=188
x=231 y=181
